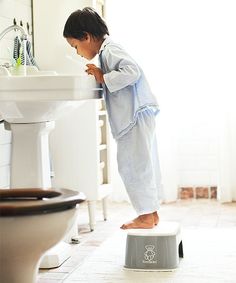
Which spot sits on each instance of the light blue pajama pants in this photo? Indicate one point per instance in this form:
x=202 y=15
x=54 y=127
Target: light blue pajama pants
x=138 y=164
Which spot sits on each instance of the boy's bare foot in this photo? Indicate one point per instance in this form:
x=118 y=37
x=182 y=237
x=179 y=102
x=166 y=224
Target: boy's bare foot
x=145 y=221
x=156 y=217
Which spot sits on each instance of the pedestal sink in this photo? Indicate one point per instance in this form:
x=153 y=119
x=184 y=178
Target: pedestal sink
x=30 y=105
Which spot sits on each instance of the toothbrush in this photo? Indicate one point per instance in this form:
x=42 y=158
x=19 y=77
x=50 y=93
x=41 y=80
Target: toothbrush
x=18 y=61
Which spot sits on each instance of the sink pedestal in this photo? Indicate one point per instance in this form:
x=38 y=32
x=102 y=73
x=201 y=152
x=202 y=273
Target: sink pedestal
x=30 y=155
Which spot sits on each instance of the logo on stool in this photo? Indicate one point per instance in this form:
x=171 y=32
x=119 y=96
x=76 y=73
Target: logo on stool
x=149 y=254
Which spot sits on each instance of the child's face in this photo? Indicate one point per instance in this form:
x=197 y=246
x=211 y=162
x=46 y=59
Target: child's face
x=84 y=47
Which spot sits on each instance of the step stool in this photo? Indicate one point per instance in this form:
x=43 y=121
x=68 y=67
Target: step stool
x=158 y=249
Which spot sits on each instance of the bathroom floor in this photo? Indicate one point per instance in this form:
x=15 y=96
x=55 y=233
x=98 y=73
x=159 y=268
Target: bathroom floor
x=208 y=231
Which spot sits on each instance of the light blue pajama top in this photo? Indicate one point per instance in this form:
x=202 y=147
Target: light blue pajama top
x=126 y=90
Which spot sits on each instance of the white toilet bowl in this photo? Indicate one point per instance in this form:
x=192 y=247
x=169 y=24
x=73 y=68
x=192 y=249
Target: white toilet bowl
x=31 y=222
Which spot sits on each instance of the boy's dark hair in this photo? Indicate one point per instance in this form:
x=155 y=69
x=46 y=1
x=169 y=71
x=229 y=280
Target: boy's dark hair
x=85 y=21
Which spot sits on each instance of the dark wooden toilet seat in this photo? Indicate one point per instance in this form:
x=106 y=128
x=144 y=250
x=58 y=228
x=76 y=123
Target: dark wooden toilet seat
x=18 y=202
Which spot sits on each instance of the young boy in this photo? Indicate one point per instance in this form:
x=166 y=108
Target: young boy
x=131 y=109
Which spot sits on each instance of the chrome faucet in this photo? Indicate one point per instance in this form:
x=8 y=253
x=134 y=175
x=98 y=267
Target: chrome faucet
x=14 y=27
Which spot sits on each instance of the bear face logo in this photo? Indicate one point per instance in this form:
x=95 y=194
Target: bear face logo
x=149 y=254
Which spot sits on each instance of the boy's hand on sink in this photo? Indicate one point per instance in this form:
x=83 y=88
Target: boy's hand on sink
x=96 y=72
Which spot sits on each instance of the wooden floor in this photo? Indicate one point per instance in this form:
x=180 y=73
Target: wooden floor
x=209 y=231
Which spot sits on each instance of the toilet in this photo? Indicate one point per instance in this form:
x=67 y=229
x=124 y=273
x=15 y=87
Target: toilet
x=31 y=222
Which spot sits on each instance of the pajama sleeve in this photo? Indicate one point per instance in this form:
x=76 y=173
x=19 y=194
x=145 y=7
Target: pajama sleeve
x=124 y=71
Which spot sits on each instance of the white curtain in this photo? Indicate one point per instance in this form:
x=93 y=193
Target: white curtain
x=187 y=50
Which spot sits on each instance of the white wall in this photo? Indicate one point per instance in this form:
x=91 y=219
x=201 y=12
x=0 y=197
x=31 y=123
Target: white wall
x=51 y=48
x=185 y=48
x=21 y=11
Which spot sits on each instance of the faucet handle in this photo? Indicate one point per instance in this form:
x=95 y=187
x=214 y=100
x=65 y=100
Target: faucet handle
x=4 y=71
x=6 y=65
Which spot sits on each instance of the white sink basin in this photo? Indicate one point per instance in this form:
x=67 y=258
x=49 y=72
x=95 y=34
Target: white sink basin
x=43 y=97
